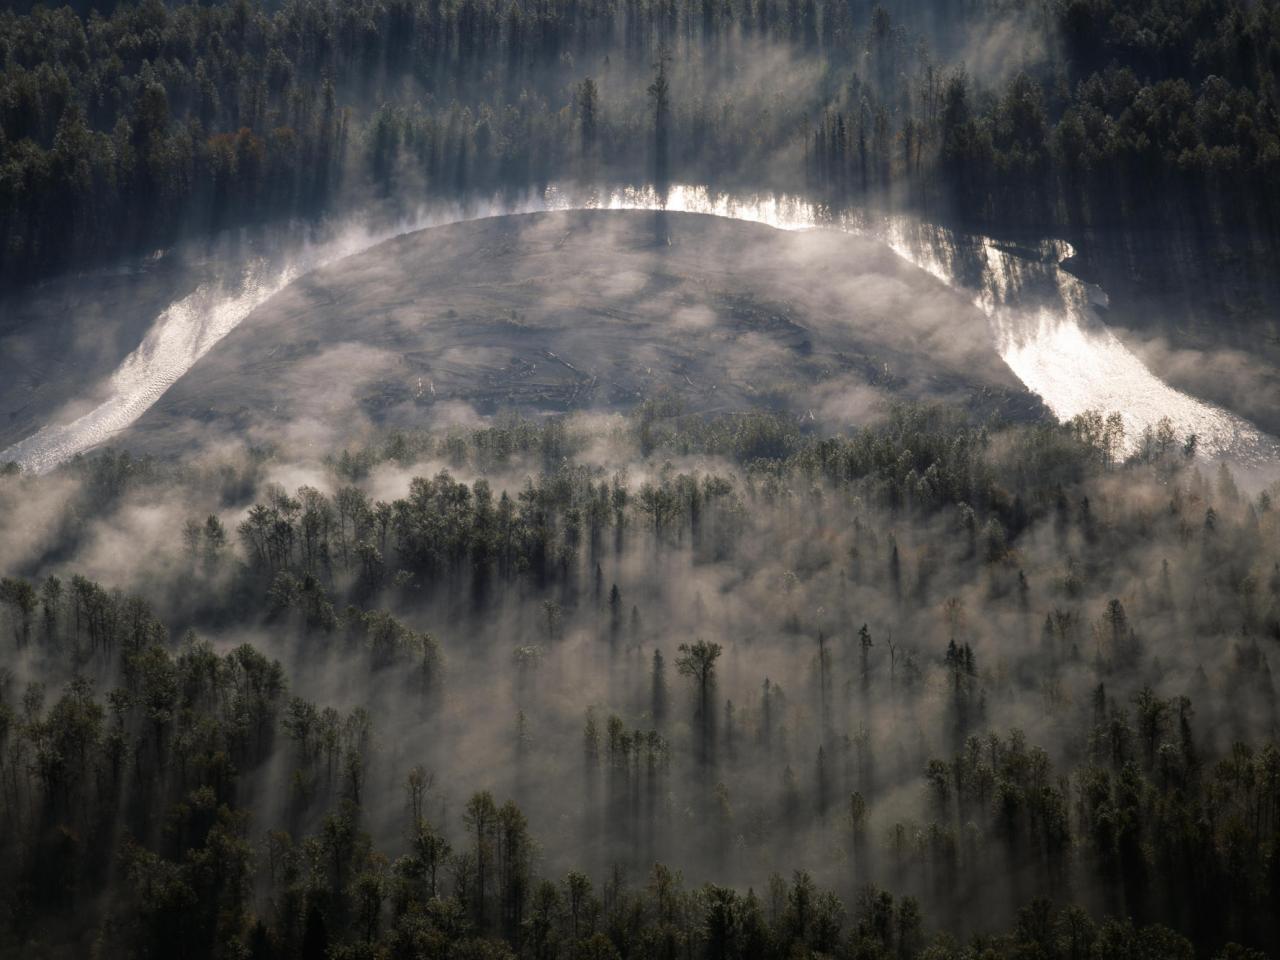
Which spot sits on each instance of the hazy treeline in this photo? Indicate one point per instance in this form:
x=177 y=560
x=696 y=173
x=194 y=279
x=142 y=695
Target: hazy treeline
x=644 y=686
x=120 y=132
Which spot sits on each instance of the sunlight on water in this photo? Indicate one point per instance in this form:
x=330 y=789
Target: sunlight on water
x=1044 y=321
x=1046 y=327
x=183 y=333
x=180 y=336
x=1060 y=349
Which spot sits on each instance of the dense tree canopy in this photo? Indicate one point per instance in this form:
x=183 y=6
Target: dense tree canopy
x=125 y=129
x=643 y=686
x=944 y=691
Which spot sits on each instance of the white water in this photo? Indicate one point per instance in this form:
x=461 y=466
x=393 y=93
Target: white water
x=1043 y=322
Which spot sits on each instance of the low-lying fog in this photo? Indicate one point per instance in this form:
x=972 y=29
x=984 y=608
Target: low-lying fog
x=1044 y=323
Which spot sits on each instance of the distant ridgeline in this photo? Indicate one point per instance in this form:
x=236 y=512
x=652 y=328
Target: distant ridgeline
x=125 y=129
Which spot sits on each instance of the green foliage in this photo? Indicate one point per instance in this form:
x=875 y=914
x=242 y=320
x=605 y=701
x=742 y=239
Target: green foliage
x=124 y=132
x=1007 y=625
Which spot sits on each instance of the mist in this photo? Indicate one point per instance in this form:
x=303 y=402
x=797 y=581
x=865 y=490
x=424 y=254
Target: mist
x=1016 y=630
x=589 y=480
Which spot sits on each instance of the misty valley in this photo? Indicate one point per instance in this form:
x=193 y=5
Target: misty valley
x=639 y=479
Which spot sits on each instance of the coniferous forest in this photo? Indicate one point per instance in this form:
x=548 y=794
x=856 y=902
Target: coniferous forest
x=931 y=691
x=126 y=127
x=612 y=663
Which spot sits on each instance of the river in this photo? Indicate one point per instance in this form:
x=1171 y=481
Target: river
x=1045 y=323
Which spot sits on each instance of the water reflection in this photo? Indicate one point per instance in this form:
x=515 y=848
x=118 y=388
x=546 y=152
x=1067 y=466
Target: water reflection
x=1044 y=321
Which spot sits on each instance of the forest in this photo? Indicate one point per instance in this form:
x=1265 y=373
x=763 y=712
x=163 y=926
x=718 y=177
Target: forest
x=645 y=685
x=610 y=581
x=125 y=128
